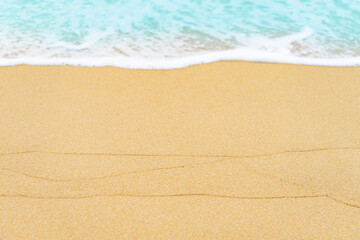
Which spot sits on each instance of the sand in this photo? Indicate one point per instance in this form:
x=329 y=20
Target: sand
x=227 y=150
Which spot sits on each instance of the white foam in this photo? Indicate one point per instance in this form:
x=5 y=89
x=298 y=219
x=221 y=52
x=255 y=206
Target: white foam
x=240 y=54
x=143 y=56
x=90 y=40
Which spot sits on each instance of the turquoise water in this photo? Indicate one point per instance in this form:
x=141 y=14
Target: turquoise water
x=173 y=29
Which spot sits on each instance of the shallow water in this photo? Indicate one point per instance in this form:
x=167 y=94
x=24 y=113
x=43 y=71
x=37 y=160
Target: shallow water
x=158 y=33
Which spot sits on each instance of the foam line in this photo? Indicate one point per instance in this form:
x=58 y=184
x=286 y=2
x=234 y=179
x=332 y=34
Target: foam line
x=241 y=54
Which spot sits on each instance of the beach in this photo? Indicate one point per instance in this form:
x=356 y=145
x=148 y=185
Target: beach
x=226 y=150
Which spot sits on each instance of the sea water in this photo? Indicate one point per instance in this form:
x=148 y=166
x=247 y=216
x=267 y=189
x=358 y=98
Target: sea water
x=177 y=33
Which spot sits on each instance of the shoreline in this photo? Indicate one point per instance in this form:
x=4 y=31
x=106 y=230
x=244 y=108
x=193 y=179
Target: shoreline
x=164 y=63
x=219 y=150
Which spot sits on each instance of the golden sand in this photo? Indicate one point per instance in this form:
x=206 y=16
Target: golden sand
x=227 y=150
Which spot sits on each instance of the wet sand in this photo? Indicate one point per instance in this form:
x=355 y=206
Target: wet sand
x=227 y=150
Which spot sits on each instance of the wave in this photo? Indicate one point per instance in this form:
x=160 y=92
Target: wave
x=174 y=34
x=257 y=49
x=246 y=54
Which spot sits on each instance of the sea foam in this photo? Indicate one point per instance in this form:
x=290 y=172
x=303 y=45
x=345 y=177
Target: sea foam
x=173 y=34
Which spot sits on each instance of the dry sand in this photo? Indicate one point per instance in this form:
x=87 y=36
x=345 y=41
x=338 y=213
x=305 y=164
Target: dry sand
x=227 y=150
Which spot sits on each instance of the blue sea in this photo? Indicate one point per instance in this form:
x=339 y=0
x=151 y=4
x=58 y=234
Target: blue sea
x=177 y=33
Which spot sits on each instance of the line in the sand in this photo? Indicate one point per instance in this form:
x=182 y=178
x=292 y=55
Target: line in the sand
x=163 y=195
x=182 y=155
x=174 y=167
x=164 y=168
x=179 y=195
